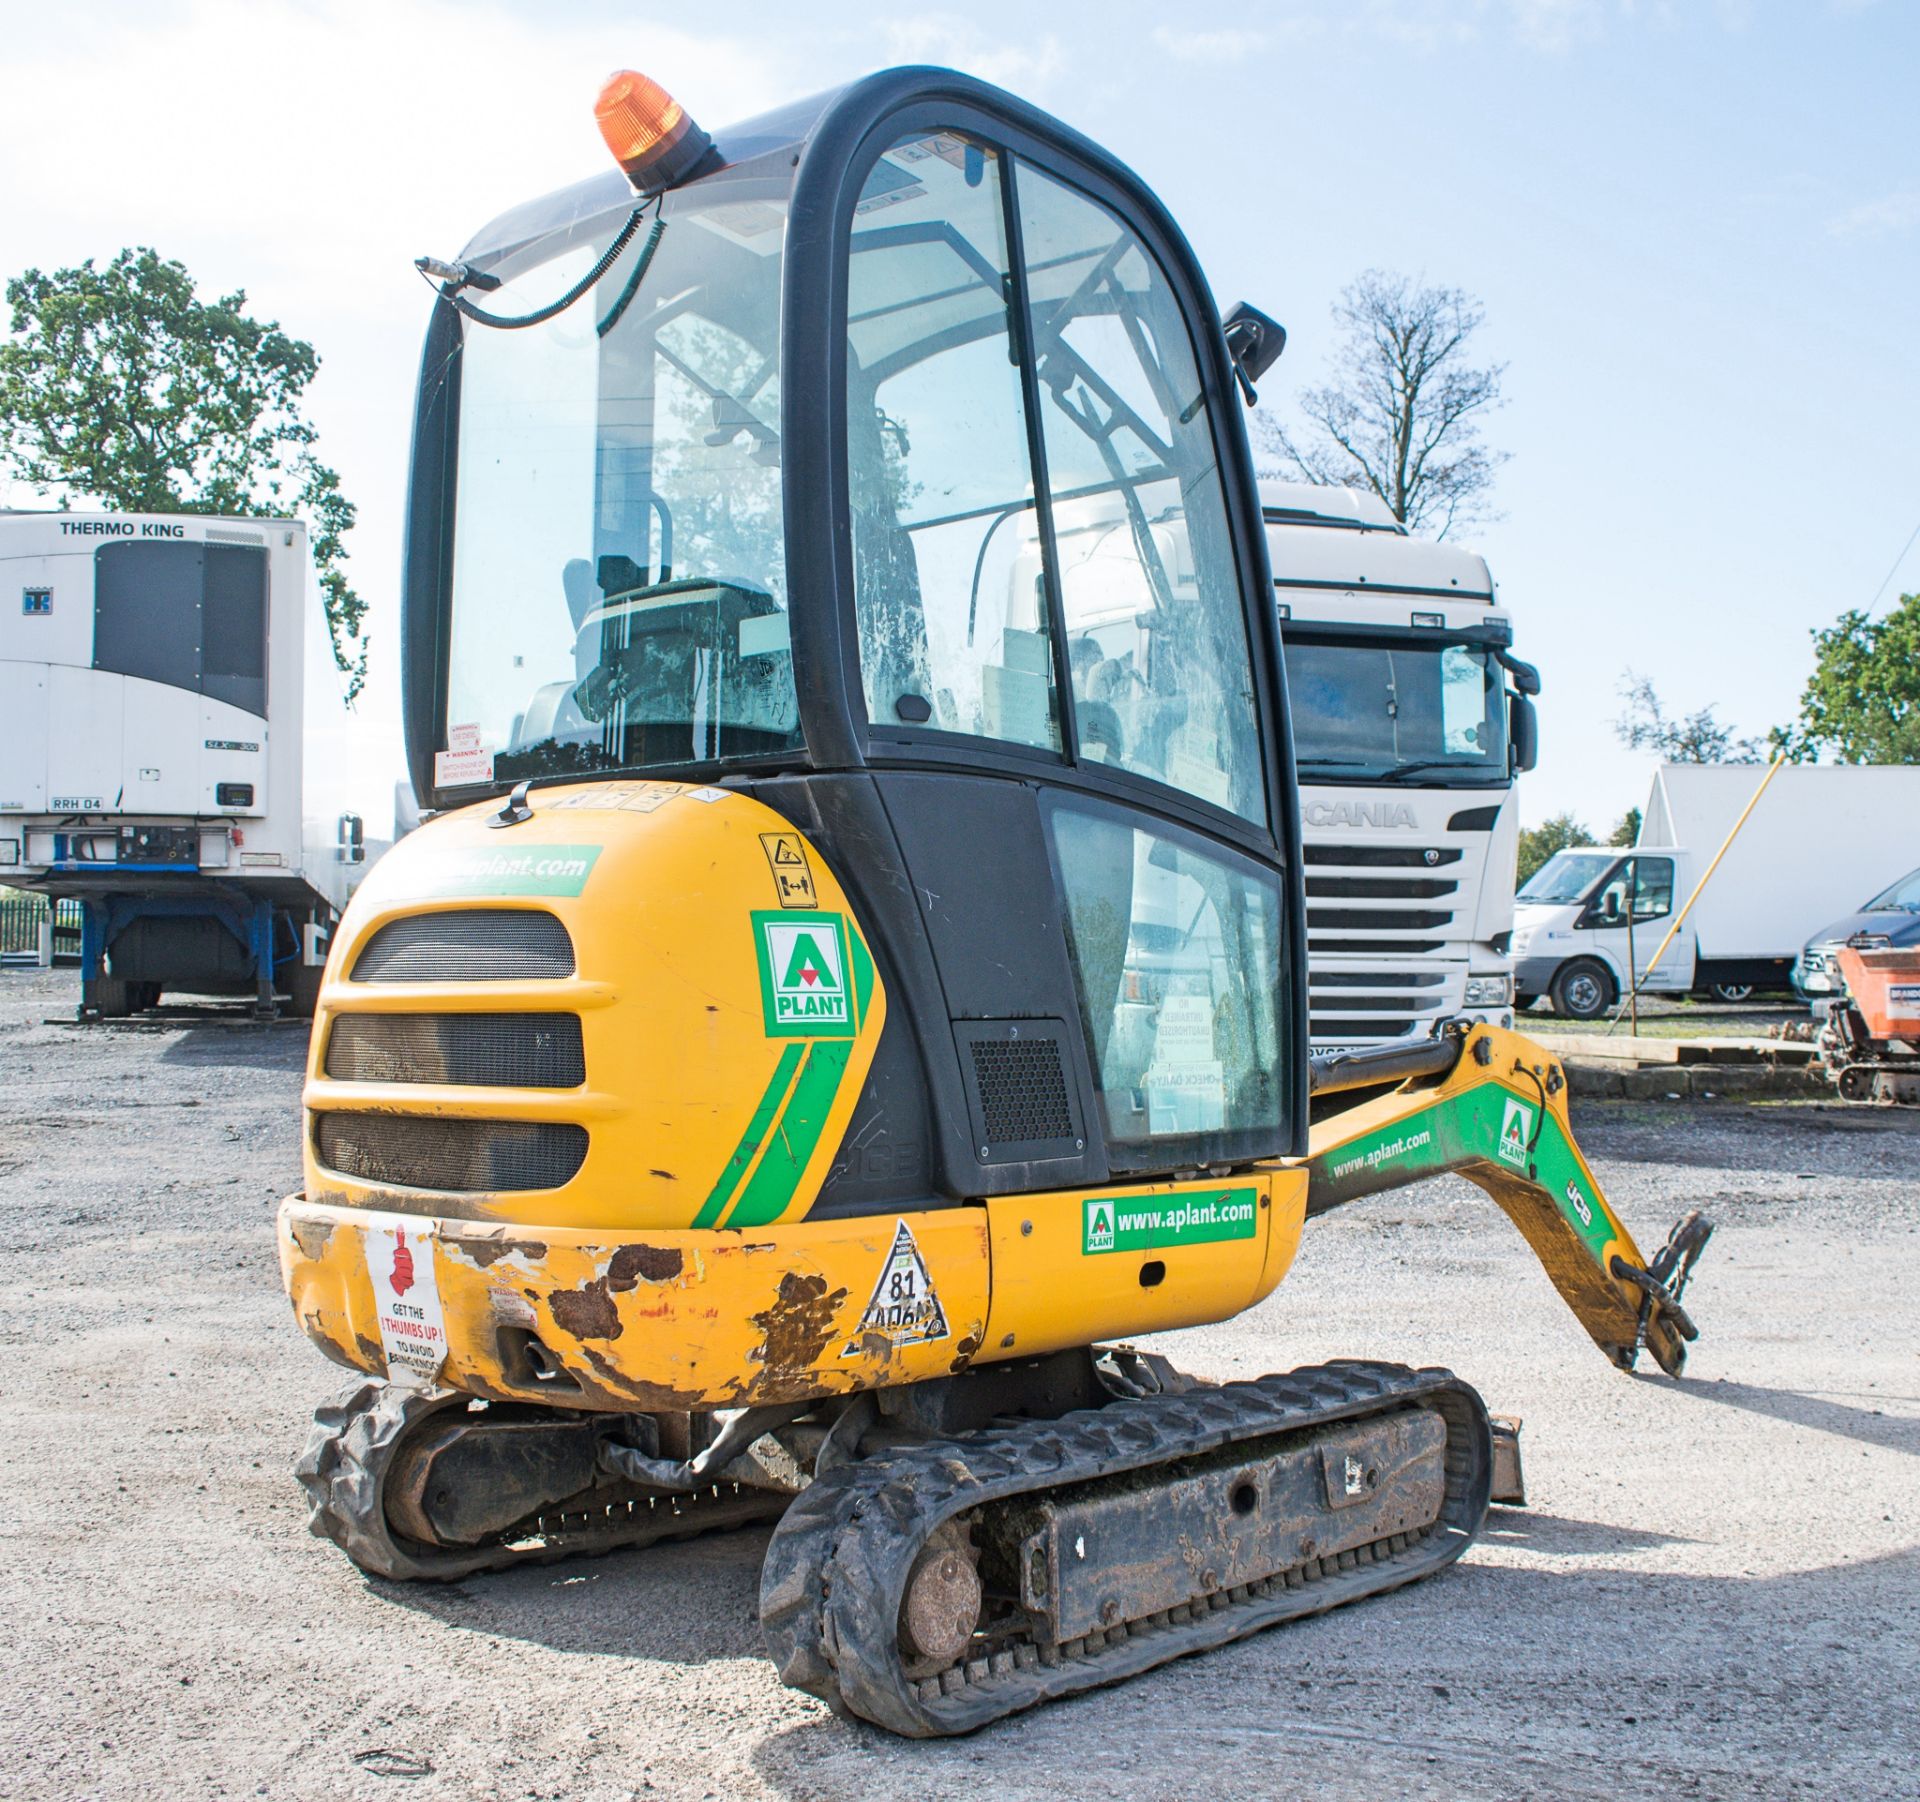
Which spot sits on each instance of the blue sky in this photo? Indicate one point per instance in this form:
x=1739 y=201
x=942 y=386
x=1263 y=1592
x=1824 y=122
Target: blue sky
x=1696 y=229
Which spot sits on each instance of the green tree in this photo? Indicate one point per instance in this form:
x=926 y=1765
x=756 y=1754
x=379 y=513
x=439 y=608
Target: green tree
x=1538 y=843
x=1862 y=701
x=120 y=387
x=1691 y=738
x=1626 y=829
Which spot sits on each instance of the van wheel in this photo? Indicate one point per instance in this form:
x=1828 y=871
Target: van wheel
x=1730 y=991
x=1581 y=990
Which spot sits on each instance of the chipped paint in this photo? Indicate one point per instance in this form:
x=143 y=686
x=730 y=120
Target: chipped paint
x=634 y=1264
x=797 y=1326
x=587 y=1312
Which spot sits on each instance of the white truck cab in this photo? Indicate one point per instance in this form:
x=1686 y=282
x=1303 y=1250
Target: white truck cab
x=1407 y=739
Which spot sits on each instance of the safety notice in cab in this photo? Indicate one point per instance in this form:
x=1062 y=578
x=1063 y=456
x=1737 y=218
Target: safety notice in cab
x=406 y=1292
x=1154 y=1222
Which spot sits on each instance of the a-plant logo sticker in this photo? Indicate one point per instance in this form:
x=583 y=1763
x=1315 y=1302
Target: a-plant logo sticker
x=1149 y=1222
x=1516 y=1128
x=804 y=987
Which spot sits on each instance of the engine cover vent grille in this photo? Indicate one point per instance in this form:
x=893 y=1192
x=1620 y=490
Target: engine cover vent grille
x=502 y=1051
x=470 y=944
x=1021 y=1094
x=412 y=1152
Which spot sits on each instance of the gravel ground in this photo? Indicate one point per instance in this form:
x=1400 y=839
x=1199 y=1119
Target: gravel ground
x=1715 y=1592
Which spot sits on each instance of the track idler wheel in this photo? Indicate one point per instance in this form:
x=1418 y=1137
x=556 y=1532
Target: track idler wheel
x=347 y=1466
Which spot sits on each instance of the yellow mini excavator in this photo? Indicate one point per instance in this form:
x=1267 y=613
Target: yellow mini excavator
x=855 y=969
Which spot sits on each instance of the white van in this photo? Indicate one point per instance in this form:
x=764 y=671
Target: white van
x=1819 y=835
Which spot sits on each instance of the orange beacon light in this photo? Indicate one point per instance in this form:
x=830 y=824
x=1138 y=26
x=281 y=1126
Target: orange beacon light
x=651 y=135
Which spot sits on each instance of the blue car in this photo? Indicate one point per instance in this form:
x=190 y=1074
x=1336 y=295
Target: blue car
x=1892 y=917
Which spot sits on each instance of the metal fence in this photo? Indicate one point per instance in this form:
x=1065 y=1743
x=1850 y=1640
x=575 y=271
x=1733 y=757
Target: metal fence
x=21 y=918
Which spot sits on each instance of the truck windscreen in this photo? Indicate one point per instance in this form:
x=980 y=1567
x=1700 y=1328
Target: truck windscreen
x=619 y=586
x=1373 y=711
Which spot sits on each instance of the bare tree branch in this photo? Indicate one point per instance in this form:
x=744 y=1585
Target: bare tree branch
x=1400 y=416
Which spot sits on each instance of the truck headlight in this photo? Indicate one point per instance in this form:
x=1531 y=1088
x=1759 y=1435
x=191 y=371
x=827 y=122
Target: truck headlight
x=1488 y=991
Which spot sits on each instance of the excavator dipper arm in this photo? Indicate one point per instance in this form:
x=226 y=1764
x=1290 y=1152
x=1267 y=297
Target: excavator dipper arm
x=1491 y=1106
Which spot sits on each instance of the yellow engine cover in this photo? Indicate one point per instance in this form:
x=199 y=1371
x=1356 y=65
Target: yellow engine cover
x=728 y=1005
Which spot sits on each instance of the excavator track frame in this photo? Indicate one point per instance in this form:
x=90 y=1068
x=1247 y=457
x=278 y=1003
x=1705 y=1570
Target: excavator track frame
x=837 y=1568
x=350 y=1457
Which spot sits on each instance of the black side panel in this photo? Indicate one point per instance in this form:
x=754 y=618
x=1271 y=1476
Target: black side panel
x=979 y=867
x=234 y=627
x=976 y=857
x=146 y=611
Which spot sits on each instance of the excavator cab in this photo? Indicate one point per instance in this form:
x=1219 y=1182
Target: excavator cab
x=853 y=977
x=892 y=470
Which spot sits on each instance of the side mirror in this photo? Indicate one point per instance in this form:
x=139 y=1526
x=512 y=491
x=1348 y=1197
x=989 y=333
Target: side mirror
x=1523 y=728
x=352 y=844
x=1254 y=342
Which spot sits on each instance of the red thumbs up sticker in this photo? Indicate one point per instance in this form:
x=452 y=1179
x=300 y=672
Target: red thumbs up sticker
x=406 y=1292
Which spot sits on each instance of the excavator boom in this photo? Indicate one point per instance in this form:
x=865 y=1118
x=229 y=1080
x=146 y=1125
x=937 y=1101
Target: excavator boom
x=1491 y=1106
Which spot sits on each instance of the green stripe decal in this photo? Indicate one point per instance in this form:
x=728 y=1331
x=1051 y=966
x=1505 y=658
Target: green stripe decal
x=1493 y=1124
x=750 y=1140
x=771 y=1187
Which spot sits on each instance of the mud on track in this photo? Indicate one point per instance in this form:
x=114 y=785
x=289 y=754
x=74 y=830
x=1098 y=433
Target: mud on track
x=1715 y=1592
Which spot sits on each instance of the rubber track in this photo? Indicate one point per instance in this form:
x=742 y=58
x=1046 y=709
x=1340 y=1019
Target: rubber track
x=350 y=1451
x=838 y=1564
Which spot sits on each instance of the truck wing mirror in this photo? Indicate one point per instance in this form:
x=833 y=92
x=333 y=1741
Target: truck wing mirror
x=1254 y=342
x=1525 y=677
x=1524 y=730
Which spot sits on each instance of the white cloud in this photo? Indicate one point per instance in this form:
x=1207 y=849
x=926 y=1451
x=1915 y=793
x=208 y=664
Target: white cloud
x=1208 y=46
x=951 y=42
x=1885 y=217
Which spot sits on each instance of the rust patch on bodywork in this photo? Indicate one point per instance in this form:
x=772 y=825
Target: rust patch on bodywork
x=797 y=1326
x=633 y=1264
x=653 y=1398
x=963 y=1352
x=586 y=1313
x=372 y=1350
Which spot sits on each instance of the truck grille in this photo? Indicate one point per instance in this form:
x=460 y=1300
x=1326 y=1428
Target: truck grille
x=1351 y=1007
x=1386 y=890
x=472 y=944
x=408 y=1151
x=504 y=1051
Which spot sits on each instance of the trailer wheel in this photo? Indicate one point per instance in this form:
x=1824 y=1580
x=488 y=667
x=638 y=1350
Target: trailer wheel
x=1582 y=989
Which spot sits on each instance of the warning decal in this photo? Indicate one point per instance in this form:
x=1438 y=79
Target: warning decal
x=406 y=1295
x=1516 y=1128
x=904 y=1309
x=792 y=874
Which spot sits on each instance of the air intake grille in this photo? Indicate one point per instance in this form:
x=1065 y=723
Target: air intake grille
x=494 y=944
x=1022 y=1086
x=504 y=1051
x=452 y=1155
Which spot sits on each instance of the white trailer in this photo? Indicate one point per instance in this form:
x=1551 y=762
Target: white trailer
x=1820 y=838
x=1407 y=739
x=178 y=752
